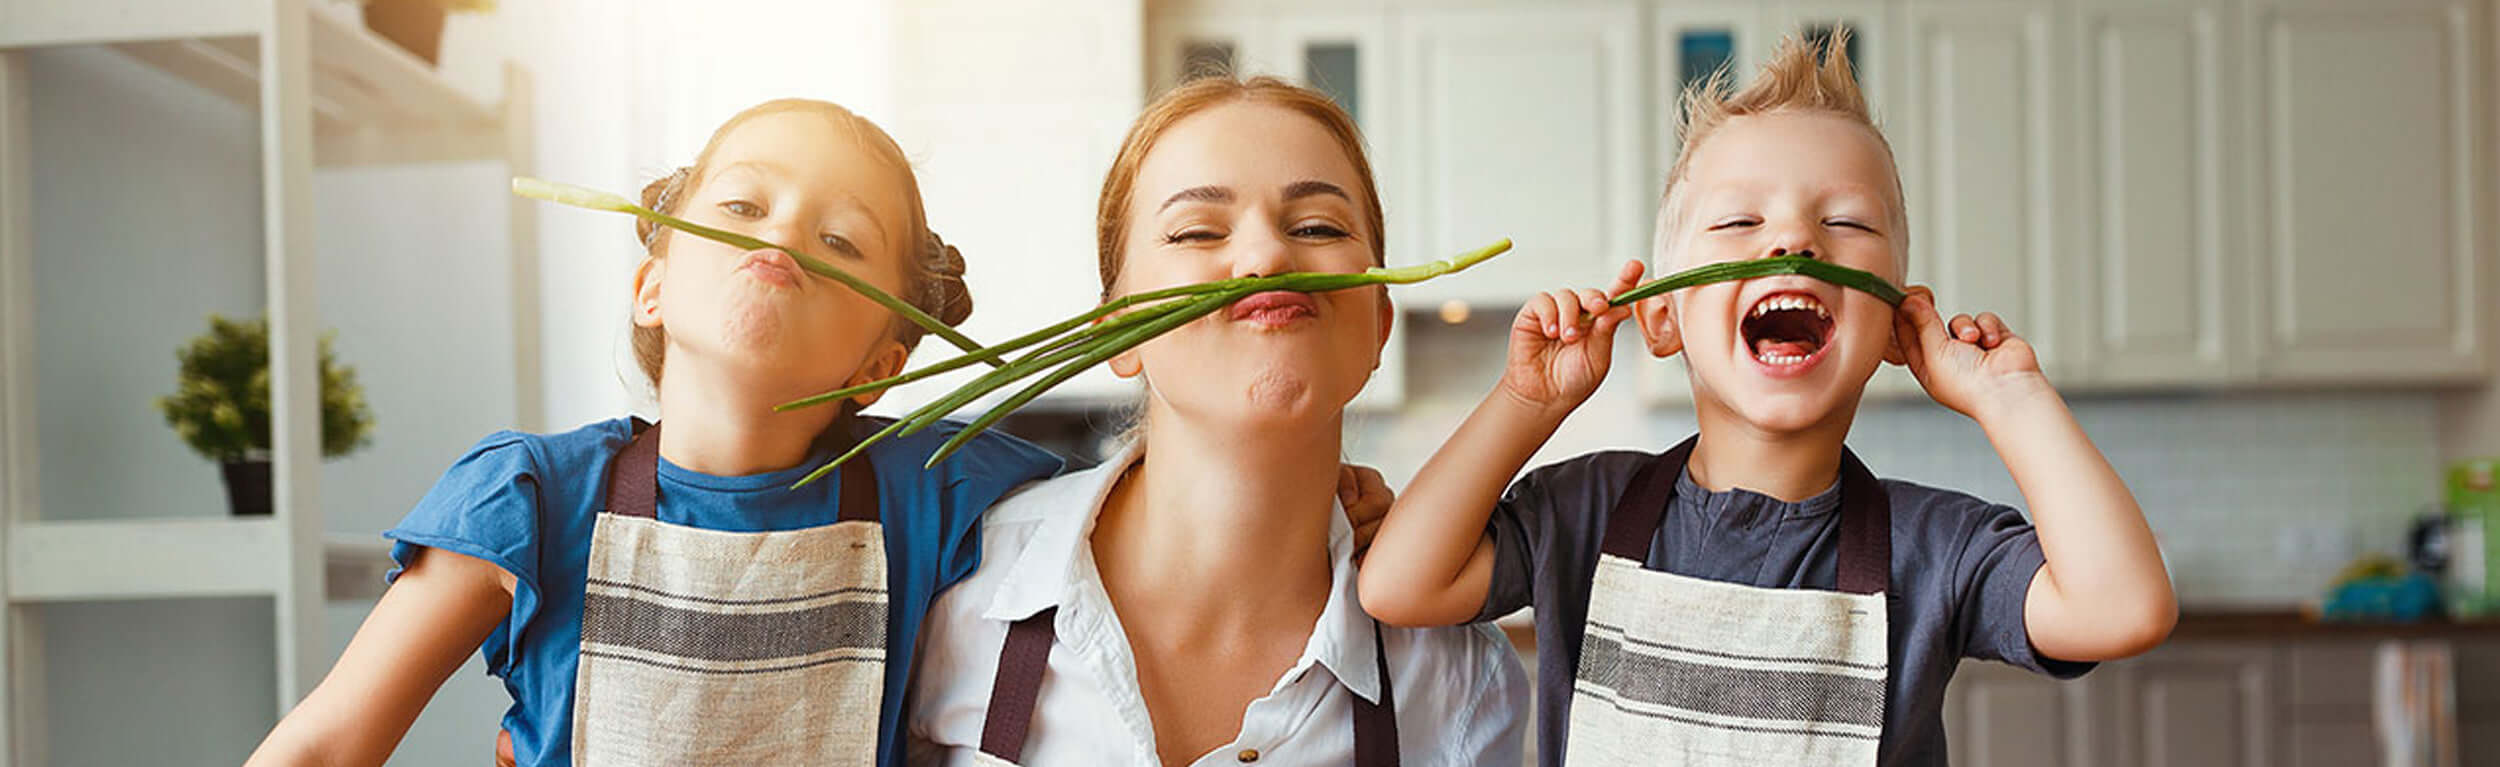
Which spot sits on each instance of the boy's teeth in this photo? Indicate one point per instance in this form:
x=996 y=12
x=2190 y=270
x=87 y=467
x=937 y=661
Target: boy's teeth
x=1779 y=303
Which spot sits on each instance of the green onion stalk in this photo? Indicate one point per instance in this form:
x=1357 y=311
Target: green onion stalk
x=1724 y=271
x=1072 y=346
x=581 y=197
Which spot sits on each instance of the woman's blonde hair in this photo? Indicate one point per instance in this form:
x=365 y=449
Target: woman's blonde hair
x=1120 y=185
x=933 y=271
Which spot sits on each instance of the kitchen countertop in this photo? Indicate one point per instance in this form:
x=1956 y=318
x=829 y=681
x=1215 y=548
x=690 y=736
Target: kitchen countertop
x=2291 y=623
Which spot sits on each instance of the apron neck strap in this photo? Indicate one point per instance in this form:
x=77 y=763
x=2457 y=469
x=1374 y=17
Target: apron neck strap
x=1865 y=518
x=1009 y=721
x=634 y=479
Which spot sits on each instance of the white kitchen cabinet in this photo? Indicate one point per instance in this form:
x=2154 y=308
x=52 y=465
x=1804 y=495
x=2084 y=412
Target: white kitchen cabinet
x=1524 y=122
x=1995 y=714
x=2366 y=139
x=2154 y=242
x=978 y=85
x=1980 y=139
x=1687 y=42
x=2193 y=705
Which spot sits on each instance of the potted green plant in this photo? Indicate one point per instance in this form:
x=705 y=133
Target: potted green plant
x=417 y=25
x=220 y=406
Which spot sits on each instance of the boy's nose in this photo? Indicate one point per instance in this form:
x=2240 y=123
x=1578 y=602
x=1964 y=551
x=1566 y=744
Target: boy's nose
x=1803 y=252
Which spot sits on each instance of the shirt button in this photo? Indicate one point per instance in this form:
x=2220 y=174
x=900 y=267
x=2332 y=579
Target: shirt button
x=1247 y=755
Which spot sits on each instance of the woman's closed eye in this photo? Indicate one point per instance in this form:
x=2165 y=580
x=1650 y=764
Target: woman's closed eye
x=1320 y=230
x=1193 y=236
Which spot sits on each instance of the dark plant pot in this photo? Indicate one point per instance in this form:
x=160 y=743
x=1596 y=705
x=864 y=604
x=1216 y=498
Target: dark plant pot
x=416 y=25
x=247 y=487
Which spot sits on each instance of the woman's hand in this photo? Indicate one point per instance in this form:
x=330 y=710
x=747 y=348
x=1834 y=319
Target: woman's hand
x=1562 y=343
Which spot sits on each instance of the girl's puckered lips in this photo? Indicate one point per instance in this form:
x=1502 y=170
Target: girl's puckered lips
x=773 y=267
x=1274 y=308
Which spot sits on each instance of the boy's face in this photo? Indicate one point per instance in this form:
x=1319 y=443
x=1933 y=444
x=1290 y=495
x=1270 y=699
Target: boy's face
x=1783 y=353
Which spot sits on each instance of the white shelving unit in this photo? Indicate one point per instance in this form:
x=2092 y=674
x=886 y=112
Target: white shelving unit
x=328 y=93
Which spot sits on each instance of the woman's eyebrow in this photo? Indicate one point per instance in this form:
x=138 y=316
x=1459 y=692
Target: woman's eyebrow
x=1310 y=188
x=1214 y=194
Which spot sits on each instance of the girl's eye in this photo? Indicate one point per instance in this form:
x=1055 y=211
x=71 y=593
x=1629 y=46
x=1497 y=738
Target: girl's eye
x=1192 y=235
x=1319 y=232
x=839 y=244
x=1733 y=223
x=742 y=209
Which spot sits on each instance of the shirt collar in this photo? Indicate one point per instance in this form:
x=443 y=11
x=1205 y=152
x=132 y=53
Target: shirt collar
x=1045 y=575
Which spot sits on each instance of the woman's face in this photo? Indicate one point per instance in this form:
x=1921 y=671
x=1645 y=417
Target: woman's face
x=1249 y=189
x=802 y=180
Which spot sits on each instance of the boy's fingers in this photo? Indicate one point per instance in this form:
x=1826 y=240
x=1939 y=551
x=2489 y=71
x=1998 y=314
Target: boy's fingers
x=1993 y=330
x=1927 y=327
x=1964 y=328
x=1626 y=278
x=1349 y=489
x=1538 y=314
x=1593 y=301
x=1566 y=313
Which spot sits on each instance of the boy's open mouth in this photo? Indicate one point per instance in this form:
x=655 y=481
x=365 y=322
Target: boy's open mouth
x=1787 y=328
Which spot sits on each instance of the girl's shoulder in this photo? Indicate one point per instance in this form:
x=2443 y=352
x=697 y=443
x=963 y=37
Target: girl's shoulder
x=991 y=457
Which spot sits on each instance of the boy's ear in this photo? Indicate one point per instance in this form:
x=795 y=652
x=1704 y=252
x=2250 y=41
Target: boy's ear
x=1656 y=316
x=647 y=292
x=885 y=362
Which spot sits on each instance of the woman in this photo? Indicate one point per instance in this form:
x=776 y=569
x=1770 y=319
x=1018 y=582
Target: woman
x=1191 y=601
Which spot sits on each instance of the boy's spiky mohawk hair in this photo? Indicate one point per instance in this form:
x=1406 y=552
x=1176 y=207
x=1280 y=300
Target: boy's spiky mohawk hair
x=1803 y=74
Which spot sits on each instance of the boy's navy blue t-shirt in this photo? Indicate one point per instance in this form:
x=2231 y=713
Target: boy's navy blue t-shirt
x=1961 y=568
x=527 y=502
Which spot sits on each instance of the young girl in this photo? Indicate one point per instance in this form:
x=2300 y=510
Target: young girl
x=659 y=595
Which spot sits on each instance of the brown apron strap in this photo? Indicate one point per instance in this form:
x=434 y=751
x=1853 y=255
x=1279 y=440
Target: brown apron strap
x=1376 y=724
x=634 y=476
x=1020 y=663
x=1634 y=520
x=1009 y=720
x=1865 y=518
x=1865 y=529
x=634 y=480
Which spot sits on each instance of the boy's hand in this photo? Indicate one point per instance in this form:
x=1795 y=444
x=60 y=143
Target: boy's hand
x=1562 y=343
x=1367 y=499
x=1969 y=363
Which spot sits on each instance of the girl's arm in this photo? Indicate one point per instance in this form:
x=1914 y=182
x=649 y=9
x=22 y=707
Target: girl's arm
x=2103 y=593
x=429 y=621
x=1432 y=563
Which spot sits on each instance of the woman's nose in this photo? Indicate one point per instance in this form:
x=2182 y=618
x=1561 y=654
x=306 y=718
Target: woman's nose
x=1261 y=253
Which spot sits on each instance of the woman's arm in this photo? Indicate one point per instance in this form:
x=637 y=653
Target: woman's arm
x=429 y=621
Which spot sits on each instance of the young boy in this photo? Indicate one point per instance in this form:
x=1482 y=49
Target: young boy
x=1754 y=595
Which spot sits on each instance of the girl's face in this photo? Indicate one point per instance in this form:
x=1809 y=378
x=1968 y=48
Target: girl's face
x=803 y=180
x=1250 y=189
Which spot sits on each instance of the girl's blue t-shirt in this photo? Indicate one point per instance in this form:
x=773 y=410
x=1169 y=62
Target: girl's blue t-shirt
x=527 y=502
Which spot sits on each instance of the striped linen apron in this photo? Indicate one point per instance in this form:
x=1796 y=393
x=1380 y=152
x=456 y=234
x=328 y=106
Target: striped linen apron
x=711 y=647
x=1687 y=671
x=1009 y=720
